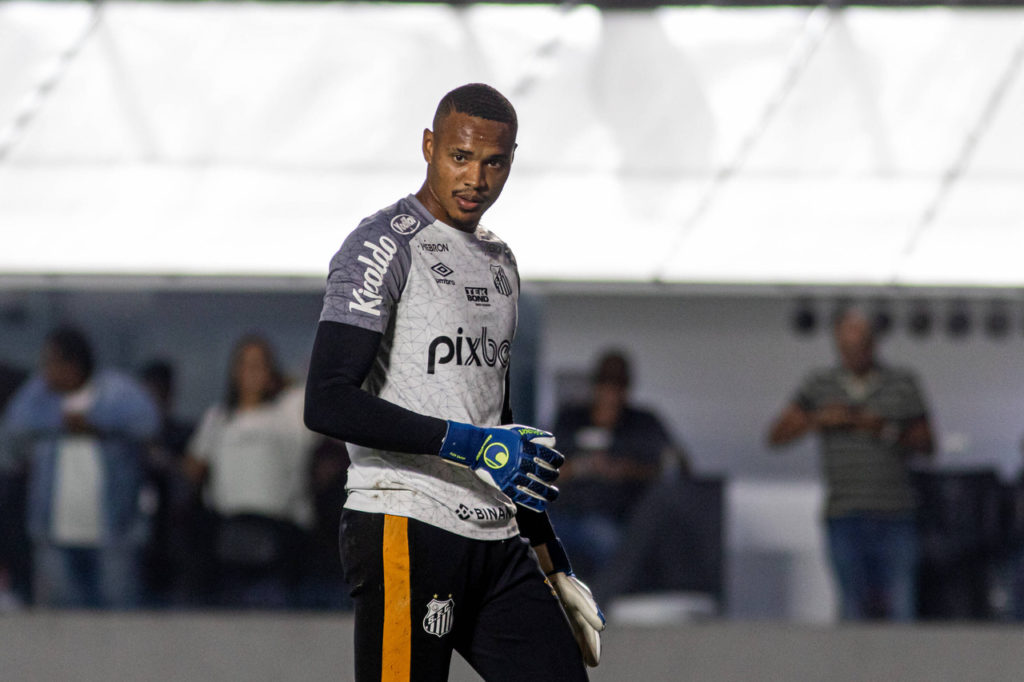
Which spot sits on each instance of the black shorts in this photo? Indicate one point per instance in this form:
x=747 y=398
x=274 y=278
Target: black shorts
x=421 y=592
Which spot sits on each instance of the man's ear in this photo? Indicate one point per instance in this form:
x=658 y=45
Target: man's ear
x=428 y=144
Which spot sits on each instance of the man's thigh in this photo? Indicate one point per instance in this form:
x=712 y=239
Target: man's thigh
x=521 y=632
x=847 y=556
x=419 y=592
x=408 y=585
x=897 y=567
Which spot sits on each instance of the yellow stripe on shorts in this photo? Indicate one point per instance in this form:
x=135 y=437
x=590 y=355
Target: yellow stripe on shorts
x=396 y=655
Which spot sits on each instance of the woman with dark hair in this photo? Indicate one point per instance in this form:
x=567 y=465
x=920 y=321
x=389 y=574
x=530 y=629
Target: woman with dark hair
x=251 y=453
x=255 y=376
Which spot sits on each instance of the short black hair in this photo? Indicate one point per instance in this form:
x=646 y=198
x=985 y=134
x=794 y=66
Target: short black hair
x=612 y=368
x=480 y=100
x=848 y=310
x=71 y=346
x=159 y=373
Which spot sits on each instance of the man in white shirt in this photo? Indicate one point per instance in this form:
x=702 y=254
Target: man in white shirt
x=83 y=432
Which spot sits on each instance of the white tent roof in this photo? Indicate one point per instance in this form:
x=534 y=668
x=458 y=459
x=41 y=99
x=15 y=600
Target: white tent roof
x=685 y=145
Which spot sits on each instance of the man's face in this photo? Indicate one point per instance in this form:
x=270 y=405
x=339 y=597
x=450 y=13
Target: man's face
x=610 y=395
x=468 y=162
x=855 y=342
x=60 y=374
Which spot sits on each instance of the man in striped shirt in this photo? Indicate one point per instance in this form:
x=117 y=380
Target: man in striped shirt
x=871 y=420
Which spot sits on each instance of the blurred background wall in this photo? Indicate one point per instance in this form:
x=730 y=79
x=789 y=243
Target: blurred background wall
x=717 y=367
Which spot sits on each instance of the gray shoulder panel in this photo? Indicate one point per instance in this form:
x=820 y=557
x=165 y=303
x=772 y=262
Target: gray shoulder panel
x=369 y=271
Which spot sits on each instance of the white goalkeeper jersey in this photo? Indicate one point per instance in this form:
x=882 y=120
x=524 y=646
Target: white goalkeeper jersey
x=446 y=304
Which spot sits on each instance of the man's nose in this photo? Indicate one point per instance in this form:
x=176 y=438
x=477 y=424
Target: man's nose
x=477 y=176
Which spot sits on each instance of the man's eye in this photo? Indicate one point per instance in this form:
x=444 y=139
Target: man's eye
x=459 y=157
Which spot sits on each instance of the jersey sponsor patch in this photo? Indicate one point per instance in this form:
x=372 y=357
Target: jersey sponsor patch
x=477 y=295
x=367 y=298
x=443 y=272
x=440 y=616
x=467 y=350
x=404 y=224
x=483 y=513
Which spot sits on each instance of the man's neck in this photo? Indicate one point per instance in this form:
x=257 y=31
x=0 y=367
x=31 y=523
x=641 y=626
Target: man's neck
x=432 y=204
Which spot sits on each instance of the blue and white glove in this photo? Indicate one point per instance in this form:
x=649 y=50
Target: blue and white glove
x=520 y=461
x=585 y=617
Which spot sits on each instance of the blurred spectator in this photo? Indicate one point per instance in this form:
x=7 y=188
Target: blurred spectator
x=870 y=419
x=252 y=452
x=613 y=451
x=11 y=379
x=323 y=584
x=83 y=433
x=15 y=568
x=1014 y=542
x=174 y=558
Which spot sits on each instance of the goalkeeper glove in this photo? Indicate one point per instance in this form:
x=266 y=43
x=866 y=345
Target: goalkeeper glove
x=517 y=460
x=585 y=616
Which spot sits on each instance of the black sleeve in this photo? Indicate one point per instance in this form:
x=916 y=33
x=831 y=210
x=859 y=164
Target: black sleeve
x=534 y=526
x=337 y=406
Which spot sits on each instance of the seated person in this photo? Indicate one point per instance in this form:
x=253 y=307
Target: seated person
x=81 y=432
x=613 y=452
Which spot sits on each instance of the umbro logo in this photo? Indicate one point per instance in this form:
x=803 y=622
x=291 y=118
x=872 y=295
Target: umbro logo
x=443 y=272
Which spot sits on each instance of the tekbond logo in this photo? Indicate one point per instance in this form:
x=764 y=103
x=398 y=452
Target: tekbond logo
x=467 y=351
x=440 y=616
x=477 y=295
x=404 y=224
x=501 y=281
x=368 y=296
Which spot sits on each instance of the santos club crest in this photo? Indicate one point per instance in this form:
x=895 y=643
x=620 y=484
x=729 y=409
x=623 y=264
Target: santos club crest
x=501 y=282
x=440 y=616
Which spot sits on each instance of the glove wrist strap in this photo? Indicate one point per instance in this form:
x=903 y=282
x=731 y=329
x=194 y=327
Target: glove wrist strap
x=461 y=443
x=559 y=559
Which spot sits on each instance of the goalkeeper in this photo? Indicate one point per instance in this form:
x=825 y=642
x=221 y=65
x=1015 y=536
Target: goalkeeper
x=410 y=366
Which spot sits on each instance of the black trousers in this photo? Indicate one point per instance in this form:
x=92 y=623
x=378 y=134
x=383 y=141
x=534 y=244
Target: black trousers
x=421 y=592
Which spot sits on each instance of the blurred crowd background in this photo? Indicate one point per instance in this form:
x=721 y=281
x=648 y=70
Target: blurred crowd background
x=237 y=505
x=697 y=191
